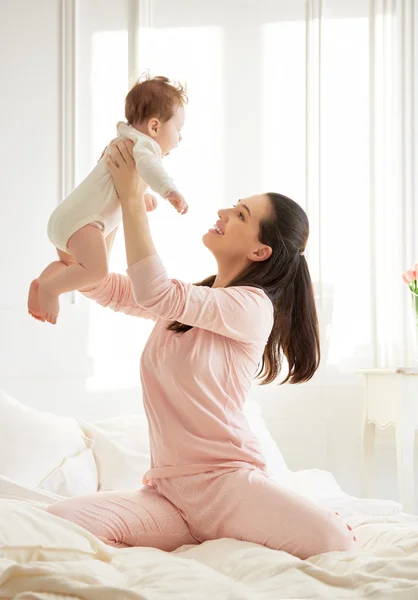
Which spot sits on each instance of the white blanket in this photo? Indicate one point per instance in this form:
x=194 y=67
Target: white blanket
x=43 y=557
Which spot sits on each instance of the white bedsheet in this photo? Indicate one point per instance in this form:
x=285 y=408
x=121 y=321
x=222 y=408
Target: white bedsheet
x=44 y=557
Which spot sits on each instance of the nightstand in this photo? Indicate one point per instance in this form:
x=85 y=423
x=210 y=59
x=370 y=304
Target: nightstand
x=391 y=398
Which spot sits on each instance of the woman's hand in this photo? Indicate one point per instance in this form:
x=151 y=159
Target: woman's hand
x=130 y=189
x=121 y=164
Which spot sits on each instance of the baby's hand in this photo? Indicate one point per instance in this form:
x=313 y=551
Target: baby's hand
x=150 y=202
x=178 y=202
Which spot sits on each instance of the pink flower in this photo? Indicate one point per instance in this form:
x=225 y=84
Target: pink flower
x=411 y=274
x=405 y=278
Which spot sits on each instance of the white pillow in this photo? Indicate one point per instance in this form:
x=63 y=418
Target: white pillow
x=121 y=450
x=274 y=459
x=76 y=476
x=322 y=488
x=42 y=450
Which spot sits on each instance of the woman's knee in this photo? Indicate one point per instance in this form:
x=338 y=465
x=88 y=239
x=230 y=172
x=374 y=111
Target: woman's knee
x=86 y=512
x=55 y=509
x=64 y=509
x=81 y=510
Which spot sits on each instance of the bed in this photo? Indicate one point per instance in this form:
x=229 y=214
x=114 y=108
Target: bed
x=44 y=557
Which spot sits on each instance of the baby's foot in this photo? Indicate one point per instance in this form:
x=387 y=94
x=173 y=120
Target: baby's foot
x=150 y=202
x=49 y=303
x=34 y=308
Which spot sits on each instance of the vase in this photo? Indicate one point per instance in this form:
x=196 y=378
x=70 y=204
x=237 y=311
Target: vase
x=414 y=322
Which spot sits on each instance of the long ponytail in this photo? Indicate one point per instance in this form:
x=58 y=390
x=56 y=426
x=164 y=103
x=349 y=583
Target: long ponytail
x=295 y=332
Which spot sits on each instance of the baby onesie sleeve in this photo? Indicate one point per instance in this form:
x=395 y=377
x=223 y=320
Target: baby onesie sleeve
x=115 y=292
x=242 y=313
x=147 y=155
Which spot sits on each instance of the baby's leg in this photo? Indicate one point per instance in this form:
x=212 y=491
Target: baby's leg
x=88 y=249
x=34 y=308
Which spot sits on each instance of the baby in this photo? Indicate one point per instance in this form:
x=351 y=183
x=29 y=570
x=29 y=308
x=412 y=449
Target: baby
x=79 y=226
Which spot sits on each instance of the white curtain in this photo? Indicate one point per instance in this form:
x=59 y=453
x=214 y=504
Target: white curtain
x=393 y=168
x=310 y=98
x=361 y=164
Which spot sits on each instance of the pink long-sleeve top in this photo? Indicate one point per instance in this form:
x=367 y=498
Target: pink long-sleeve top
x=194 y=383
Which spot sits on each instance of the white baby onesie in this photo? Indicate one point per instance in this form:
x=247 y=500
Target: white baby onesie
x=95 y=200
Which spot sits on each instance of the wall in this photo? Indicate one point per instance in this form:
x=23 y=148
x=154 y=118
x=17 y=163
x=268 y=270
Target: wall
x=43 y=365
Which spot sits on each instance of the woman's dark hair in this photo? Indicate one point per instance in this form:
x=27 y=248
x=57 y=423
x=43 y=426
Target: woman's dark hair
x=285 y=278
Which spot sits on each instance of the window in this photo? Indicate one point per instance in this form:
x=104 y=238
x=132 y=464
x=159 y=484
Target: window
x=283 y=99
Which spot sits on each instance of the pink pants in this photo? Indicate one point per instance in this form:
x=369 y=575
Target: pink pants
x=233 y=503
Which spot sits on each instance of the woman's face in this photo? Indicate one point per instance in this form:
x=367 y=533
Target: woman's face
x=234 y=239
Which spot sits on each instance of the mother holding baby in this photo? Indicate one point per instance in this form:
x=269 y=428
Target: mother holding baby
x=208 y=476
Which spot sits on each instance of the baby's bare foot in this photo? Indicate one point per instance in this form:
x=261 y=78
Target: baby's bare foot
x=34 y=308
x=49 y=303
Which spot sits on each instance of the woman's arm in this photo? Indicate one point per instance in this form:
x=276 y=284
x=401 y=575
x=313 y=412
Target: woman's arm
x=131 y=190
x=115 y=290
x=241 y=313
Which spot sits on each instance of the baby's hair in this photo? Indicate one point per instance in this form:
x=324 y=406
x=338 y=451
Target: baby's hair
x=153 y=97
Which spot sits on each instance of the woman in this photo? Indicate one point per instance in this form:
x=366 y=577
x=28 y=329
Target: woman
x=208 y=477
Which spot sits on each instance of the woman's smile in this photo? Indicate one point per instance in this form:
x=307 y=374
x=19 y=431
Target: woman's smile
x=217 y=229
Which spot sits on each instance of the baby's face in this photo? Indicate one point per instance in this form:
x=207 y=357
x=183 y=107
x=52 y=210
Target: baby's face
x=169 y=133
